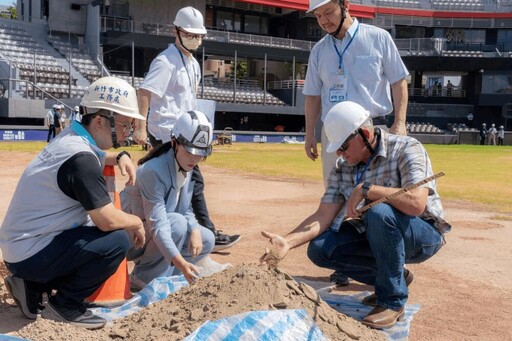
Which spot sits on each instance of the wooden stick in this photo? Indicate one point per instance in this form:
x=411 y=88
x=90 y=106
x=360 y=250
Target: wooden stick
x=399 y=192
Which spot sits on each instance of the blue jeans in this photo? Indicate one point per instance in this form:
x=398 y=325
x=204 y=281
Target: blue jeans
x=75 y=263
x=377 y=257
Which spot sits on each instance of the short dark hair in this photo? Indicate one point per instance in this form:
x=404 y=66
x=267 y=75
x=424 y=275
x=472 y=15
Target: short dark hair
x=87 y=118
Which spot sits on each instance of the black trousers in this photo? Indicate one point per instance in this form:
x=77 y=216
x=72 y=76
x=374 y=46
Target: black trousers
x=198 y=199
x=51 y=131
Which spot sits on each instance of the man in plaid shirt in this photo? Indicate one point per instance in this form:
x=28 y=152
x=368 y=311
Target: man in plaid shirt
x=372 y=248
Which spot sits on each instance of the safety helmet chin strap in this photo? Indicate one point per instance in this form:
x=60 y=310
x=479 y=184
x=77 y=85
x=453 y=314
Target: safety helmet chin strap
x=113 y=132
x=366 y=142
x=181 y=41
x=175 y=148
x=343 y=17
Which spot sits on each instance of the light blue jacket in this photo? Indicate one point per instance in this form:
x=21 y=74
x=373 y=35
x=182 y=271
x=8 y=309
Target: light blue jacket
x=154 y=195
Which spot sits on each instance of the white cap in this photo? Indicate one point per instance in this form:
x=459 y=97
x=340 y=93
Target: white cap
x=114 y=94
x=342 y=121
x=194 y=132
x=314 y=4
x=190 y=20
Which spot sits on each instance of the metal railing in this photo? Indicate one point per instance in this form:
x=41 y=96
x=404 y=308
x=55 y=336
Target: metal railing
x=433 y=92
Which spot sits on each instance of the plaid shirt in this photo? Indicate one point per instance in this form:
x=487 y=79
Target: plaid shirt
x=400 y=161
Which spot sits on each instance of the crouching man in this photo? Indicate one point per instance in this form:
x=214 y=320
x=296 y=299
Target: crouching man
x=372 y=248
x=61 y=232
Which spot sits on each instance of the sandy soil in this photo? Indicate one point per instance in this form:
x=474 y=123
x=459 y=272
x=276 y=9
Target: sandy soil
x=465 y=291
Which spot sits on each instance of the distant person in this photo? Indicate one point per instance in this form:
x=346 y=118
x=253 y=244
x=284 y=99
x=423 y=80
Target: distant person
x=57 y=120
x=483 y=134
x=63 y=117
x=75 y=115
x=162 y=197
x=470 y=119
x=492 y=132
x=49 y=120
x=61 y=232
x=501 y=135
x=372 y=248
x=439 y=89
x=170 y=89
x=449 y=88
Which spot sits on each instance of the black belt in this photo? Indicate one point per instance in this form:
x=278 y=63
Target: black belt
x=379 y=120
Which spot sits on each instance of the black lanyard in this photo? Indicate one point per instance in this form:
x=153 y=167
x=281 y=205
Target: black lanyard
x=192 y=88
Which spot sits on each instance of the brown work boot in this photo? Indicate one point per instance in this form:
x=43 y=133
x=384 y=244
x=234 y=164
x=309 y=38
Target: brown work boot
x=371 y=300
x=380 y=317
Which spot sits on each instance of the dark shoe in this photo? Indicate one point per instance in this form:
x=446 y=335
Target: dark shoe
x=223 y=241
x=79 y=318
x=28 y=301
x=371 y=300
x=380 y=317
x=339 y=279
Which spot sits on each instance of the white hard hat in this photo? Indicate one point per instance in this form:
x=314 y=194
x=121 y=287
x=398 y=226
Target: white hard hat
x=314 y=4
x=114 y=94
x=492 y=125
x=55 y=106
x=190 y=20
x=501 y=127
x=76 y=108
x=194 y=132
x=342 y=121
x=484 y=124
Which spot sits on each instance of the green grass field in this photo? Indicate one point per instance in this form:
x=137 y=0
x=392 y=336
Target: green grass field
x=475 y=174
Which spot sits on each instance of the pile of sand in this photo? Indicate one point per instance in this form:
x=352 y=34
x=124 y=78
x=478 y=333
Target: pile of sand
x=235 y=290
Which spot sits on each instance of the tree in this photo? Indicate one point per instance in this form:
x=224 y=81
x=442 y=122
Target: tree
x=10 y=13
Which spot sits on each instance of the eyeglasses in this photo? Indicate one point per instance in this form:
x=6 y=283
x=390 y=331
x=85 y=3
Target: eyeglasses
x=127 y=127
x=193 y=36
x=346 y=144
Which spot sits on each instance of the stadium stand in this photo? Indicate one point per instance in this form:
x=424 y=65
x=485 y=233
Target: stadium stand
x=255 y=55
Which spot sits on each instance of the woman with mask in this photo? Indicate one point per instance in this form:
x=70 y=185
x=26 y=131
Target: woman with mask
x=162 y=196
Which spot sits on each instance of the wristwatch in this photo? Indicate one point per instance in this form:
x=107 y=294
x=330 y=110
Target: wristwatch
x=366 y=187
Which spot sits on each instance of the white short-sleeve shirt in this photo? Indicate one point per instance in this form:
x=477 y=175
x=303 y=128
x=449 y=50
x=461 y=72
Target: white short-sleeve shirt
x=172 y=79
x=371 y=63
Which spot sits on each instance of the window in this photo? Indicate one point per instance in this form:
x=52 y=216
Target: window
x=228 y=21
x=255 y=24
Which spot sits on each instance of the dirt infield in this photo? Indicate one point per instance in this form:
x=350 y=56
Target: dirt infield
x=465 y=291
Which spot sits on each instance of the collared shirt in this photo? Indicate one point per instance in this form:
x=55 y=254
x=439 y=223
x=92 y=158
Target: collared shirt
x=172 y=79
x=371 y=63
x=400 y=161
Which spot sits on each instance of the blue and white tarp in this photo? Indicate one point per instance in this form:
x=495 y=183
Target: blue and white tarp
x=255 y=325
x=351 y=305
x=261 y=326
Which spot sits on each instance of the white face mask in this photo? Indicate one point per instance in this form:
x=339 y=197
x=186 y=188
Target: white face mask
x=191 y=44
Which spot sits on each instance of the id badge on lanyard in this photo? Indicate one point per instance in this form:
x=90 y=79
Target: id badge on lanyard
x=338 y=89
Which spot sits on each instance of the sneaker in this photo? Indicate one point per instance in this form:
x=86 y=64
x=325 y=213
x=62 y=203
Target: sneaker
x=28 y=301
x=339 y=279
x=224 y=241
x=77 y=318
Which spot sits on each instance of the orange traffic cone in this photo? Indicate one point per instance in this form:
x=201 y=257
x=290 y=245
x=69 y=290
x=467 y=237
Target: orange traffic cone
x=116 y=288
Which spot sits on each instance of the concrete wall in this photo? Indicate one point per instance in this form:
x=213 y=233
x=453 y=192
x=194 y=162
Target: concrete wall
x=473 y=137
x=144 y=10
x=22 y=108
